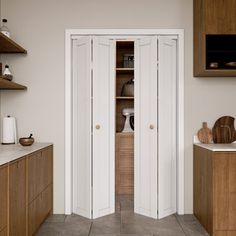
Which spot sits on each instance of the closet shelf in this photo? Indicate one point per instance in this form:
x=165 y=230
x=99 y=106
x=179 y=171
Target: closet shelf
x=9 y=85
x=124 y=70
x=124 y=98
x=7 y=45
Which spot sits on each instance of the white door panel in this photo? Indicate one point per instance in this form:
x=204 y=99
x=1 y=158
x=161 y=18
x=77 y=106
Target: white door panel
x=103 y=126
x=82 y=126
x=145 y=195
x=166 y=126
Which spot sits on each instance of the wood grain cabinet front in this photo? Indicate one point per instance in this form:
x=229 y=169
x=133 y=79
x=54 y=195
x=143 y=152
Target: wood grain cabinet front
x=124 y=163
x=39 y=172
x=3 y=232
x=214 y=18
x=40 y=177
x=26 y=193
x=215 y=191
x=3 y=197
x=39 y=210
x=17 y=198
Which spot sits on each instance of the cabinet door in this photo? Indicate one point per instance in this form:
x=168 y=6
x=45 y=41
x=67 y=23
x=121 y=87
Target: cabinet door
x=47 y=167
x=39 y=209
x=219 y=16
x=3 y=196
x=39 y=172
x=145 y=105
x=35 y=178
x=224 y=191
x=103 y=126
x=3 y=232
x=17 y=203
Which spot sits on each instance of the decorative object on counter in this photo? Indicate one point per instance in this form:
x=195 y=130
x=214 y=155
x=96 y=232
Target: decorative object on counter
x=128 y=60
x=27 y=141
x=223 y=130
x=9 y=135
x=204 y=134
x=128 y=89
x=214 y=65
x=4 y=29
x=7 y=73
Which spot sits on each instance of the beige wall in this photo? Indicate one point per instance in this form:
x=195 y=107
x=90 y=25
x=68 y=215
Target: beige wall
x=40 y=25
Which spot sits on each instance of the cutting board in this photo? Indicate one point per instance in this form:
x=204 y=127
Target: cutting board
x=223 y=130
x=204 y=134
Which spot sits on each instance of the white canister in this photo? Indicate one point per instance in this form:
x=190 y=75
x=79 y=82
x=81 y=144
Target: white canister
x=9 y=130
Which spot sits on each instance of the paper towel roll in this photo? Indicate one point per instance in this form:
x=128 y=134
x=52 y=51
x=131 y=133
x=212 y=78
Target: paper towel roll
x=9 y=130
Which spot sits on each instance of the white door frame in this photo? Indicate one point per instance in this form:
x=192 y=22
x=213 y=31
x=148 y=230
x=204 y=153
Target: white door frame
x=69 y=34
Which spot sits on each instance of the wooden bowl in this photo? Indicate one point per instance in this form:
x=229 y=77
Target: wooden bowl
x=26 y=141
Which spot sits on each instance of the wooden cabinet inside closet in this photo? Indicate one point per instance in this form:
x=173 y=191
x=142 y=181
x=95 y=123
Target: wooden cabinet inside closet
x=124 y=140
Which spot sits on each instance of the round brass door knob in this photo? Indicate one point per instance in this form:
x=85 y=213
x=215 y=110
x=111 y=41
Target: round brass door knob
x=151 y=126
x=97 y=126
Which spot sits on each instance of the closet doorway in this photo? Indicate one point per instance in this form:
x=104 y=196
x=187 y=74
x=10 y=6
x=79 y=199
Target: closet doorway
x=104 y=156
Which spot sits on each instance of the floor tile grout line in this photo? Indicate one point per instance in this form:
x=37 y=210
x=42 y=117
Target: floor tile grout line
x=180 y=225
x=90 y=229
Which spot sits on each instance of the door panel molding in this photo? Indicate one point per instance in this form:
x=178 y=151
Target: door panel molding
x=145 y=174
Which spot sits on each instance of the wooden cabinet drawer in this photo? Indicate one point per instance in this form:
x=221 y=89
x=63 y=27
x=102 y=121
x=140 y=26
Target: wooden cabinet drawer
x=17 y=195
x=3 y=196
x=47 y=160
x=39 y=208
x=34 y=175
x=39 y=172
x=3 y=232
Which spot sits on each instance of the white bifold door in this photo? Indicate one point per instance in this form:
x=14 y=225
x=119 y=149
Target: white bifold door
x=93 y=126
x=155 y=126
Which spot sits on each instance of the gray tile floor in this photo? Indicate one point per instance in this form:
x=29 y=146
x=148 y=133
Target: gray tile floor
x=124 y=223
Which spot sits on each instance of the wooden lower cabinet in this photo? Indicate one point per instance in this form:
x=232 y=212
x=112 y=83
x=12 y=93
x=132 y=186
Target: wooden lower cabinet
x=39 y=209
x=26 y=193
x=3 y=232
x=3 y=197
x=17 y=198
x=215 y=191
x=124 y=163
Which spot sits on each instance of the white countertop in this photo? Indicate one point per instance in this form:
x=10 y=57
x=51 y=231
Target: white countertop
x=218 y=147
x=12 y=152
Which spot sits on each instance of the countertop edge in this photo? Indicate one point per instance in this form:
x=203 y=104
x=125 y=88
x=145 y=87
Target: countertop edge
x=218 y=147
x=10 y=153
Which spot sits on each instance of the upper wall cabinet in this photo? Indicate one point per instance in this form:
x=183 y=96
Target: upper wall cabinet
x=214 y=38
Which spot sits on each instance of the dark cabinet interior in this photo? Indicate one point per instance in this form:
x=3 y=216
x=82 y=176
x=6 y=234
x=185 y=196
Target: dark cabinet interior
x=221 y=52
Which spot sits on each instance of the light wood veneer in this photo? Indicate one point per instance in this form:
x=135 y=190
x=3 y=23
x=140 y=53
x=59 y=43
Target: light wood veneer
x=26 y=193
x=215 y=191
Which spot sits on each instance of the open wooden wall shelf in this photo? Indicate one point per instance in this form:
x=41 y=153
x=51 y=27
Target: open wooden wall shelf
x=7 y=45
x=9 y=85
